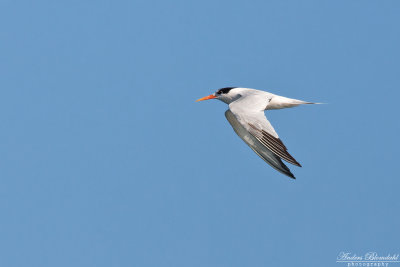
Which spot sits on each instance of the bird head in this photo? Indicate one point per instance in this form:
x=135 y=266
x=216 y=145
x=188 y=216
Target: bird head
x=226 y=95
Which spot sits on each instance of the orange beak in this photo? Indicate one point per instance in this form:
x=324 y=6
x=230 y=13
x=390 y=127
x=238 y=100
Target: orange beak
x=206 y=98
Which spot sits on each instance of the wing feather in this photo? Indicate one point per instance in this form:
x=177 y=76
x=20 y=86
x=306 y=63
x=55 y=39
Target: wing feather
x=275 y=145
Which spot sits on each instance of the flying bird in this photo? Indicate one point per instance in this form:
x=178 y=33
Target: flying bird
x=247 y=118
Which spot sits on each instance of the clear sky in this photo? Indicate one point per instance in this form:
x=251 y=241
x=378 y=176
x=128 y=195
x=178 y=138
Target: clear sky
x=106 y=160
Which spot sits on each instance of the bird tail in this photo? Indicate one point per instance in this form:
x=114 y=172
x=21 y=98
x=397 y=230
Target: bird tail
x=278 y=102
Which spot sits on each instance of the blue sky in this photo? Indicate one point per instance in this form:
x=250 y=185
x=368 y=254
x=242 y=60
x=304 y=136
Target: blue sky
x=106 y=160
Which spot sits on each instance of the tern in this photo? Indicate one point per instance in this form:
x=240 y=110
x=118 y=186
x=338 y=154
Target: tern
x=247 y=118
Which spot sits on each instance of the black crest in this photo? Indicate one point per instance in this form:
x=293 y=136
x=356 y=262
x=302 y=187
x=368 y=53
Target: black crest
x=224 y=90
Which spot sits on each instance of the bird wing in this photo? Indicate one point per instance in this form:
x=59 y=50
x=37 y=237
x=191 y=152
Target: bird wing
x=249 y=112
x=257 y=146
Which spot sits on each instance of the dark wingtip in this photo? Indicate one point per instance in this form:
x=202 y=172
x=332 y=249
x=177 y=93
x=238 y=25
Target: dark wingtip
x=290 y=175
x=296 y=163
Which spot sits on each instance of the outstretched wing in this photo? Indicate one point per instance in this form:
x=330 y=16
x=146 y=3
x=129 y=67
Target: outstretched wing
x=249 y=112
